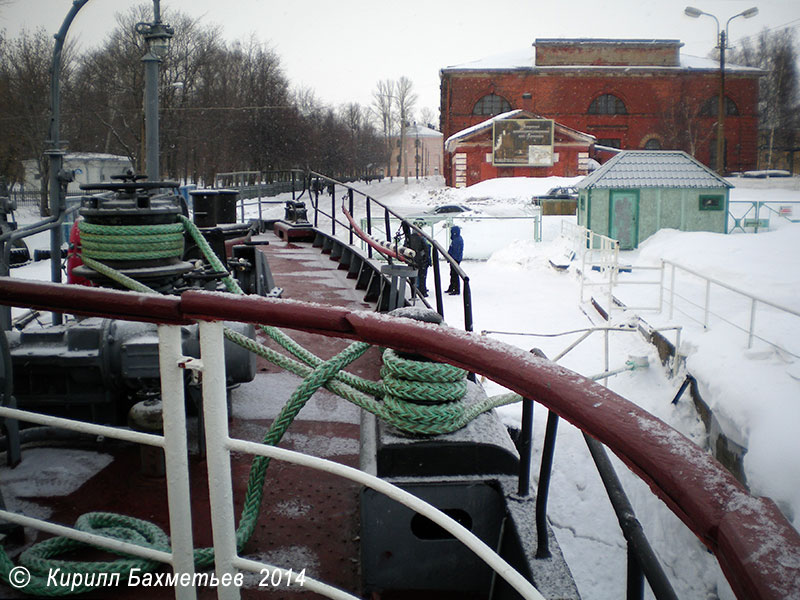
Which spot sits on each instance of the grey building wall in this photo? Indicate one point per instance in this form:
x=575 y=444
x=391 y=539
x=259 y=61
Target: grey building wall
x=659 y=208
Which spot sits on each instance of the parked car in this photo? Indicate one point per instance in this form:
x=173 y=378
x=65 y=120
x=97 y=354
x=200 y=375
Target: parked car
x=558 y=193
x=442 y=212
x=448 y=209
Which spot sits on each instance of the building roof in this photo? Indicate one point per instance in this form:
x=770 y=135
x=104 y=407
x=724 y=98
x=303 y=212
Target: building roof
x=524 y=59
x=653 y=169
x=422 y=131
x=606 y=41
x=517 y=113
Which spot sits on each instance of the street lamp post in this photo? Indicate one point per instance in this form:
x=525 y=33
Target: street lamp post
x=722 y=37
x=156 y=36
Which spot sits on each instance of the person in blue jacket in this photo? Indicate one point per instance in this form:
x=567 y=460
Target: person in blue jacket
x=456 y=251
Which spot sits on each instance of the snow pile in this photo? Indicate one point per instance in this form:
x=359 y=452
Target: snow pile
x=766 y=264
x=48 y=472
x=752 y=392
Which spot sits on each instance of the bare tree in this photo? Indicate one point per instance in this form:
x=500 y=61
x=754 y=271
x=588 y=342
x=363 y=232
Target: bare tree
x=383 y=109
x=776 y=53
x=223 y=107
x=681 y=128
x=353 y=119
x=428 y=117
x=25 y=97
x=405 y=99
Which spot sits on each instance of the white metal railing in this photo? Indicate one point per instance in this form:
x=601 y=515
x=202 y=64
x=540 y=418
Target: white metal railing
x=227 y=562
x=751 y=215
x=747 y=301
x=596 y=252
x=601 y=253
x=174 y=444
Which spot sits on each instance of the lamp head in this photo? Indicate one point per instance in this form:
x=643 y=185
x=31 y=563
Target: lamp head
x=156 y=36
x=691 y=11
x=159 y=45
x=750 y=12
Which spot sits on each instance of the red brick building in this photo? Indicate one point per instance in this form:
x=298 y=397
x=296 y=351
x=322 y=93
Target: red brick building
x=629 y=94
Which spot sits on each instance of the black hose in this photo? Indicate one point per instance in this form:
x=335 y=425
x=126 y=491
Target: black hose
x=48 y=434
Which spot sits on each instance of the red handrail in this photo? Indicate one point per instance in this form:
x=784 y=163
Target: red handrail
x=757 y=548
x=385 y=250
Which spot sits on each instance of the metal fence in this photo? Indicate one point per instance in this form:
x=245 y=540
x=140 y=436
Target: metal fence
x=33 y=197
x=755 y=215
x=698 y=297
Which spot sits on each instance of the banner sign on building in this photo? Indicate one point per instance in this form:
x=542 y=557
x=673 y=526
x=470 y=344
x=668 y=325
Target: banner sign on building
x=523 y=143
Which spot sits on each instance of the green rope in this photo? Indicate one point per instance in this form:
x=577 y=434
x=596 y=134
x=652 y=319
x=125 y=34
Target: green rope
x=418 y=397
x=131 y=242
x=38 y=559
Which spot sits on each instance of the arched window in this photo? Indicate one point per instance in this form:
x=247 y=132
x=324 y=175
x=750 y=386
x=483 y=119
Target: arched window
x=711 y=107
x=607 y=104
x=652 y=144
x=491 y=104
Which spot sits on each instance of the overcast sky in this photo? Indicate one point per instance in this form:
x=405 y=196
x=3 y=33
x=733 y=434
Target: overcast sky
x=342 y=48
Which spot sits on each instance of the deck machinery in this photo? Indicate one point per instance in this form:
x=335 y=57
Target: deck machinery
x=96 y=369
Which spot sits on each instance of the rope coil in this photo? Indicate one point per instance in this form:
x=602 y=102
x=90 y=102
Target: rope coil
x=131 y=242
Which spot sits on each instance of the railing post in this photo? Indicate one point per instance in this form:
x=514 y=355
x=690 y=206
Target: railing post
x=388 y=224
x=634 y=589
x=525 y=440
x=215 y=414
x=707 y=305
x=525 y=435
x=639 y=549
x=672 y=291
x=170 y=353
x=758 y=211
x=316 y=205
x=751 y=331
x=333 y=209
x=350 y=208
x=467 y=305
x=605 y=358
x=586 y=239
x=468 y=315
x=542 y=544
x=437 y=280
x=661 y=290
x=369 y=225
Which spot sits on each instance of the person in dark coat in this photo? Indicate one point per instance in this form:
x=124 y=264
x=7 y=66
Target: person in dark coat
x=422 y=256
x=456 y=251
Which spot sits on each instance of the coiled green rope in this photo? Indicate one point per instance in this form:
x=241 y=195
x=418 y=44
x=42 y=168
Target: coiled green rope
x=131 y=242
x=441 y=386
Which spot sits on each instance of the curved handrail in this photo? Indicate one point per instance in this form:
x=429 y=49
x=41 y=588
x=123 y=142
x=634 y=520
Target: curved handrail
x=758 y=550
x=401 y=218
x=437 y=248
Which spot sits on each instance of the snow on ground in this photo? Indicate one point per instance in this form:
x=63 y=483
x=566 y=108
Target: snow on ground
x=754 y=391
